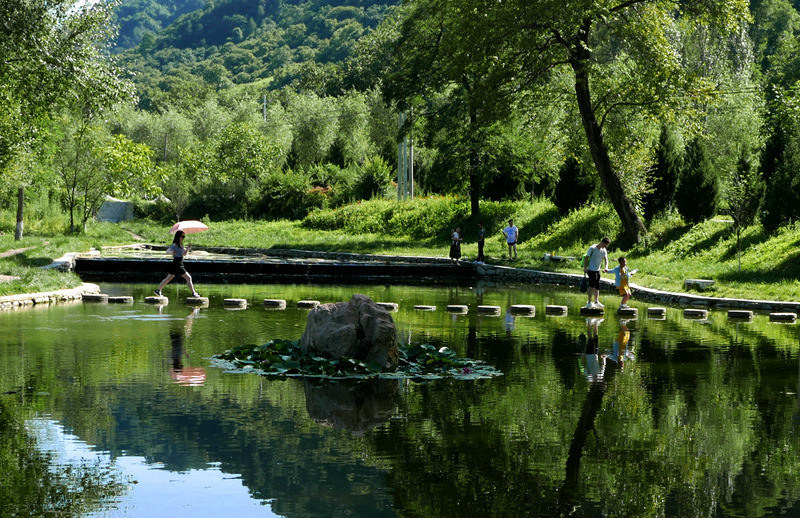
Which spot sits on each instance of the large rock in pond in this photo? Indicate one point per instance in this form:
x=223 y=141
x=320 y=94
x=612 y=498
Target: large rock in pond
x=358 y=328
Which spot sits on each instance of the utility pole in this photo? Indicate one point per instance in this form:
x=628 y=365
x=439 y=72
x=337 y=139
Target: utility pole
x=405 y=163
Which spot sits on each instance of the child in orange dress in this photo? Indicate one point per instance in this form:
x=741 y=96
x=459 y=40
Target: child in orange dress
x=622 y=274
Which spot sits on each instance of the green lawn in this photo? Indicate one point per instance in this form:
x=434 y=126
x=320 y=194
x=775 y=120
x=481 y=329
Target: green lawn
x=673 y=252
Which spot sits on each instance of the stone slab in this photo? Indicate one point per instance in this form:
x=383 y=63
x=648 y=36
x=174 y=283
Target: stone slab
x=275 y=303
x=656 y=312
x=122 y=299
x=740 y=314
x=155 y=299
x=234 y=303
x=695 y=313
x=488 y=310
x=307 y=304
x=522 y=309
x=197 y=301
x=421 y=307
x=388 y=306
x=628 y=312
x=556 y=310
x=592 y=312
x=95 y=297
x=456 y=308
x=783 y=317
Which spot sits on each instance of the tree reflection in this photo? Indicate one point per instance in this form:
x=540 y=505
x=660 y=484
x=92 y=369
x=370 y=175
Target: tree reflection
x=32 y=485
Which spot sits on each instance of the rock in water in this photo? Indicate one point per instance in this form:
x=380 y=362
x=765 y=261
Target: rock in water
x=358 y=328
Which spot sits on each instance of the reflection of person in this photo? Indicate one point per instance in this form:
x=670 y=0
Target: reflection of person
x=596 y=259
x=512 y=233
x=622 y=274
x=620 y=352
x=177 y=268
x=455 y=244
x=481 y=238
x=179 y=331
x=593 y=364
x=509 y=320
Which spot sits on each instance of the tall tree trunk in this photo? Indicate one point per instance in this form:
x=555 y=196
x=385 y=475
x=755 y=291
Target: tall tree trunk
x=634 y=227
x=18 y=230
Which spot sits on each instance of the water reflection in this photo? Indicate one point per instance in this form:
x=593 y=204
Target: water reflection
x=179 y=331
x=656 y=418
x=357 y=406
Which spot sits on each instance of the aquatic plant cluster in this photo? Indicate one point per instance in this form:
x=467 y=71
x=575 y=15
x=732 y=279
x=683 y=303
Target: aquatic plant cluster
x=286 y=358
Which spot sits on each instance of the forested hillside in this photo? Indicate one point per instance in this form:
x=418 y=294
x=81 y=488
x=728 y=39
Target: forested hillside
x=271 y=43
x=136 y=18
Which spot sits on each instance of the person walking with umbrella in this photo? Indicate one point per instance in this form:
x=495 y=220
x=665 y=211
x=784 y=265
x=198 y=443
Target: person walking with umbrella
x=178 y=252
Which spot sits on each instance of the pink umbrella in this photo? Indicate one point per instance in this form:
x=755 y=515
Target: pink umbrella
x=189 y=226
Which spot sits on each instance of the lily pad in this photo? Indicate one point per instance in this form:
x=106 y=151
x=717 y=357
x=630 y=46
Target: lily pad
x=285 y=358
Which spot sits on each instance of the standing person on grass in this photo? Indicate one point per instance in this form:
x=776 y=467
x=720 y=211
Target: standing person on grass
x=481 y=238
x=595 y=260
x=512 y=233
x=455 y=244
x=176 y=268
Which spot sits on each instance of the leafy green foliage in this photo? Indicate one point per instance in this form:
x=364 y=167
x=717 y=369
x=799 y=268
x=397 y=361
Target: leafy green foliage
x=573 y=188
x=665 y=174
x=286 y=358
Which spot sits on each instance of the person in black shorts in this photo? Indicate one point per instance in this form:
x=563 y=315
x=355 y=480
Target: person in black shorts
x=177 y=268
x=595 y=260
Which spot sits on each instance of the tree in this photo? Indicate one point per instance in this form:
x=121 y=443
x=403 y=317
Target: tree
x=50 y=50
x=744 y=196
x=697 y=195
x=665 y=173
x=619 y=54
x=92 y=164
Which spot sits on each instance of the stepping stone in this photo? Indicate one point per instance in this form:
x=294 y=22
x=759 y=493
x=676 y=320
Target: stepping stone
x=425 y=308
x=235 y=303
x=457 y=308
x=275 y=303
x=522 y=310
x=95 y=297
x=740 y=314
x=556 y=310
x=628 y=312
x=388 y=306
x=307 y=304
x=197 y=301
x=783 y=317
x=657 y=312
x=155 y=299
x=124 y=299
x=592 y=312
x=488 y=310
x=695 y=313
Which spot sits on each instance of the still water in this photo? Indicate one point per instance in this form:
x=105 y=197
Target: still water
x=113 y=410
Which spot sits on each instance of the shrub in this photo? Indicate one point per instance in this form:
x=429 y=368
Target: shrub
x=666 y=171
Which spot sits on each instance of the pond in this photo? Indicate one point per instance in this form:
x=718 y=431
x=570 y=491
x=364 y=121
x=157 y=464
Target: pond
x=112 y=410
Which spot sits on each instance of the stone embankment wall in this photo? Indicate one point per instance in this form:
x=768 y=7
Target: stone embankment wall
x=47 y=297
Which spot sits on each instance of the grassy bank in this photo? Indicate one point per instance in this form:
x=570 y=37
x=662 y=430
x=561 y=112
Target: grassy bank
x=673 y=252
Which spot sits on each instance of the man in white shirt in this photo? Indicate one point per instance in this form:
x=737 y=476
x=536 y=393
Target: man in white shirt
x=511 y=232
x=596 y=259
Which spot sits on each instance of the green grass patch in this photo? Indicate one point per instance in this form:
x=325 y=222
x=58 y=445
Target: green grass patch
x=672 y=252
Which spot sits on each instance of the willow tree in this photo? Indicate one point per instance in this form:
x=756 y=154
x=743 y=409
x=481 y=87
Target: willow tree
x=622 y=57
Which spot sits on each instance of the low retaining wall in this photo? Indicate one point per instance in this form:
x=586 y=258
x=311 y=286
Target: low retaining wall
x=47 y=297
